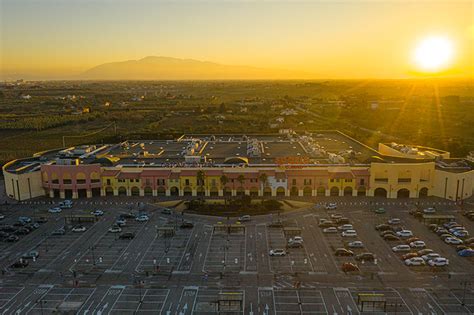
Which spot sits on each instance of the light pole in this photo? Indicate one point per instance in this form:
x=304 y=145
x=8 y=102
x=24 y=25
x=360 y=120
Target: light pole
x=91 y=248
x=465 y=284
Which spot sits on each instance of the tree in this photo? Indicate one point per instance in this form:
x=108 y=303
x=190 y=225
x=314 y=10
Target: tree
x=241 y=180
x=224 y=180
x=263 y=178
x=200 y=177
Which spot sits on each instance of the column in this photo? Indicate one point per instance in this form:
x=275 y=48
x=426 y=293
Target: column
x=221 y=192
x=62 y=195
x=74 y=194
x=89 y=193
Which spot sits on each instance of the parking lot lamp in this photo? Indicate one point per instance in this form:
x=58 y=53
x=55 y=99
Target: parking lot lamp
x=91 y=248
x=465 y=285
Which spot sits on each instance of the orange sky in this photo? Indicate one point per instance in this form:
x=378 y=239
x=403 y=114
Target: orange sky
x=351 y=39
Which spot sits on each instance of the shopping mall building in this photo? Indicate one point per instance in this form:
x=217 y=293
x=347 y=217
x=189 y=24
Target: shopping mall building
x=287 y=164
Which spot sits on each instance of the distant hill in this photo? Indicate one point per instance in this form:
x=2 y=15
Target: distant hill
x=167 y=68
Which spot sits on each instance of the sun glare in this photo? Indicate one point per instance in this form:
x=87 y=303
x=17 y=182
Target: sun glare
x=434 y=53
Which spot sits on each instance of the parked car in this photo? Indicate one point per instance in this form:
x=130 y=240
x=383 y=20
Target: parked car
x=450 y=224
x=24 y=219
x=142 y=218
x=115 y=229
x=415 y=261
x=441 y=231
x=394 y=221
x=365 y=257
x=186 y=225
x=430 y=256
x=326 y=224
x=277 y=252
x=411 y=239
x=461 y=247
x=452 y=241
x=276 y=224
x=60 y=231
x=331 y=229
x=22 y=263
x=166 y=211
x=128 y=215
x=343 y=220
x=97 y=213
x=401 y=248
x=391 y=237
x=31 y=254
x=461 y=233
x=445 y=236
x=345 y=227
x=336 y=216
x=7 y=228
x=331 y=206
x=120 y=222
x=380 y=210
x=424 y=251
x=383 y=227
x=22 y=231
x=244 y=218
x=418 y=244
x=63 y=205
x=79 y=228
x=469 y=241
x=2 y=217
x=429 y=210
x=383 y=233
x=349 y=233
x=409 y=255
x=349 y=267
x=466 y=253
x=296 y=239
x=433 y=227
x=457 y=228
x=12 y=238
x=127 y=236
x=294 y=245
x=343 y=252
x=355 y=244
x=42 y=220
x=438 y=262
x=405 y=233
x=55 y=210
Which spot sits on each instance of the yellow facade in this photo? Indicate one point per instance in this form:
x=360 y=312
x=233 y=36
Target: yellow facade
x=454 y=186
x=398 y=178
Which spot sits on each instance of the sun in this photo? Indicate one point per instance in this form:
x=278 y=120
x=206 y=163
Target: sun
x=434 y=53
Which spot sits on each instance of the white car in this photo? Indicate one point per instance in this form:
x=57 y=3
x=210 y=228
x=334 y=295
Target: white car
x=331 y=206
x=142 y=218
x=394 y=221
x=331 y=229
x=121 y=222
x=401 y=248
x=296 y=239
x=336 y=216
x=430 y=256
x=277 y=252
x=55 y=210
x=429 y=210
x=356 y=244
x=115 y=229
x=415 y=261
x=345 y=227
x=405 y=233
x=418 y=244
x=453 y=241
x=97 y=213
x=438 y=262
x=79 y=229
x=349 y=233
x=244 y=218
x=2 y=217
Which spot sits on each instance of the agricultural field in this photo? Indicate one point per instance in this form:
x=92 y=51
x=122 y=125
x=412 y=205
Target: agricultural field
x=35 y=116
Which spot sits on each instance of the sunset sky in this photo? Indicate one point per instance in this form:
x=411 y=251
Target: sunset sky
x=328 y=39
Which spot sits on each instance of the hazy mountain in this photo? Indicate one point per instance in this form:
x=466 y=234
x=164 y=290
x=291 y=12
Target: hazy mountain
x=166 y=68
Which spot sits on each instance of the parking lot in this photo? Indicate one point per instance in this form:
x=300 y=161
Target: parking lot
x=96 y=271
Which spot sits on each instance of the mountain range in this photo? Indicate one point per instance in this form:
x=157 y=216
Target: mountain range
x=168 y=68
